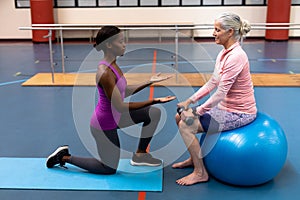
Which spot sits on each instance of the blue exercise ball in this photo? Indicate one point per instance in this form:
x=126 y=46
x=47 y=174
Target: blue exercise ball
x=250 y=155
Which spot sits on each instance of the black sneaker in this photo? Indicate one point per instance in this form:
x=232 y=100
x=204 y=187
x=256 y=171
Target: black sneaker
x=145 y=159
x=56 y=157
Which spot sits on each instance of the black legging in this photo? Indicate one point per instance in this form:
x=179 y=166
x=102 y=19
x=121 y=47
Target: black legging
x=108 y=143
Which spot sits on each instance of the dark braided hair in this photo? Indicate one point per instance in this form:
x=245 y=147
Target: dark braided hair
x=104 y=35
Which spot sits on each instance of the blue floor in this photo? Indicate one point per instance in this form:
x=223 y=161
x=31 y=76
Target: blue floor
x=35 y=120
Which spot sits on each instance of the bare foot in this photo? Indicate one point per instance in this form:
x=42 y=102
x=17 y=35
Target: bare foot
x=193 y=178
x=187 y=163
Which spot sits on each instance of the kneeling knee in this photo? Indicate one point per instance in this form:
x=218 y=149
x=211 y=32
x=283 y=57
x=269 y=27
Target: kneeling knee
x=104 y=170
x=111 y=171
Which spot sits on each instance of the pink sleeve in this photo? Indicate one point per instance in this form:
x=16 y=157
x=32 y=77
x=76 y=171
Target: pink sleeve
x=205 y=89
x=210 y=85
x=231 y=69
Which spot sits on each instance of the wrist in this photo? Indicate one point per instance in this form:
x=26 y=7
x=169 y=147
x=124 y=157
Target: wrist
x=189 y=101
x=194 y=110
x=149 y=82
x=155 y=101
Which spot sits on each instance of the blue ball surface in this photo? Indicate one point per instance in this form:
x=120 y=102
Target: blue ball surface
x=250 y=155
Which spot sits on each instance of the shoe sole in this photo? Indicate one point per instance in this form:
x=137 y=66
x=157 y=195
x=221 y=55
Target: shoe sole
x=143 y=164
x=55 y=152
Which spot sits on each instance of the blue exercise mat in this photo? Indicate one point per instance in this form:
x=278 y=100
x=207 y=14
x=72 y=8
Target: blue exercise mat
x=31 y=173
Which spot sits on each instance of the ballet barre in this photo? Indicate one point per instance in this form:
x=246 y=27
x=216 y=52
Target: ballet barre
x=146 y=26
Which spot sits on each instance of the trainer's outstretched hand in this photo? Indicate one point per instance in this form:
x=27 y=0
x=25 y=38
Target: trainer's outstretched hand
x=164 y=99
x=157 y=78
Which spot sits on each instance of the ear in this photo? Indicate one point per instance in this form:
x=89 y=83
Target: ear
x=230 y=32
x=108 y=45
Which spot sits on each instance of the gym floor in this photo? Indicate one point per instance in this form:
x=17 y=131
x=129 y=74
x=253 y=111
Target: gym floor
x=35 y=120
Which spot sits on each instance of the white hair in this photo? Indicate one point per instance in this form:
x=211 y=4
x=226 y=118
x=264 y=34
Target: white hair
x=233 y=21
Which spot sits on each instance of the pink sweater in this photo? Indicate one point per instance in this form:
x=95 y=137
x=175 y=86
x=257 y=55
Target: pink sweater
x=232 y=78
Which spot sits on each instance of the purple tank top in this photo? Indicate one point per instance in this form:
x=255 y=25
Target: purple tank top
x=105 y=116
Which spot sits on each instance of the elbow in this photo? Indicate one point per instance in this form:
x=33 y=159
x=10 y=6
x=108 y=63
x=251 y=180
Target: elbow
x=120 y=107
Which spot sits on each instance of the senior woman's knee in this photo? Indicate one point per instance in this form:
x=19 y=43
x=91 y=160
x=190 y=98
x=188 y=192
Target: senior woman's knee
x=184 y=128
x=177 y=118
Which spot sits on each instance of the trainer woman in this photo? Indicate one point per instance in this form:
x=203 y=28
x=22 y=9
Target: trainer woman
x=232 y=105
x=112 y=112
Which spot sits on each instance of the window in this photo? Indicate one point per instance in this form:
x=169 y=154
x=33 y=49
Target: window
x=255 y=2
x=64 y=3
x=128 y=2
x=145 y=3
x=170 y=2
x=191 y=2
x=149 y=3
x=212 y=2
x=87 y=3
x=233 y=2
x=22 y=4
x=107 y=3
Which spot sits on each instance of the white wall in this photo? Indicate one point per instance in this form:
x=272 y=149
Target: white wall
x=11 y=18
